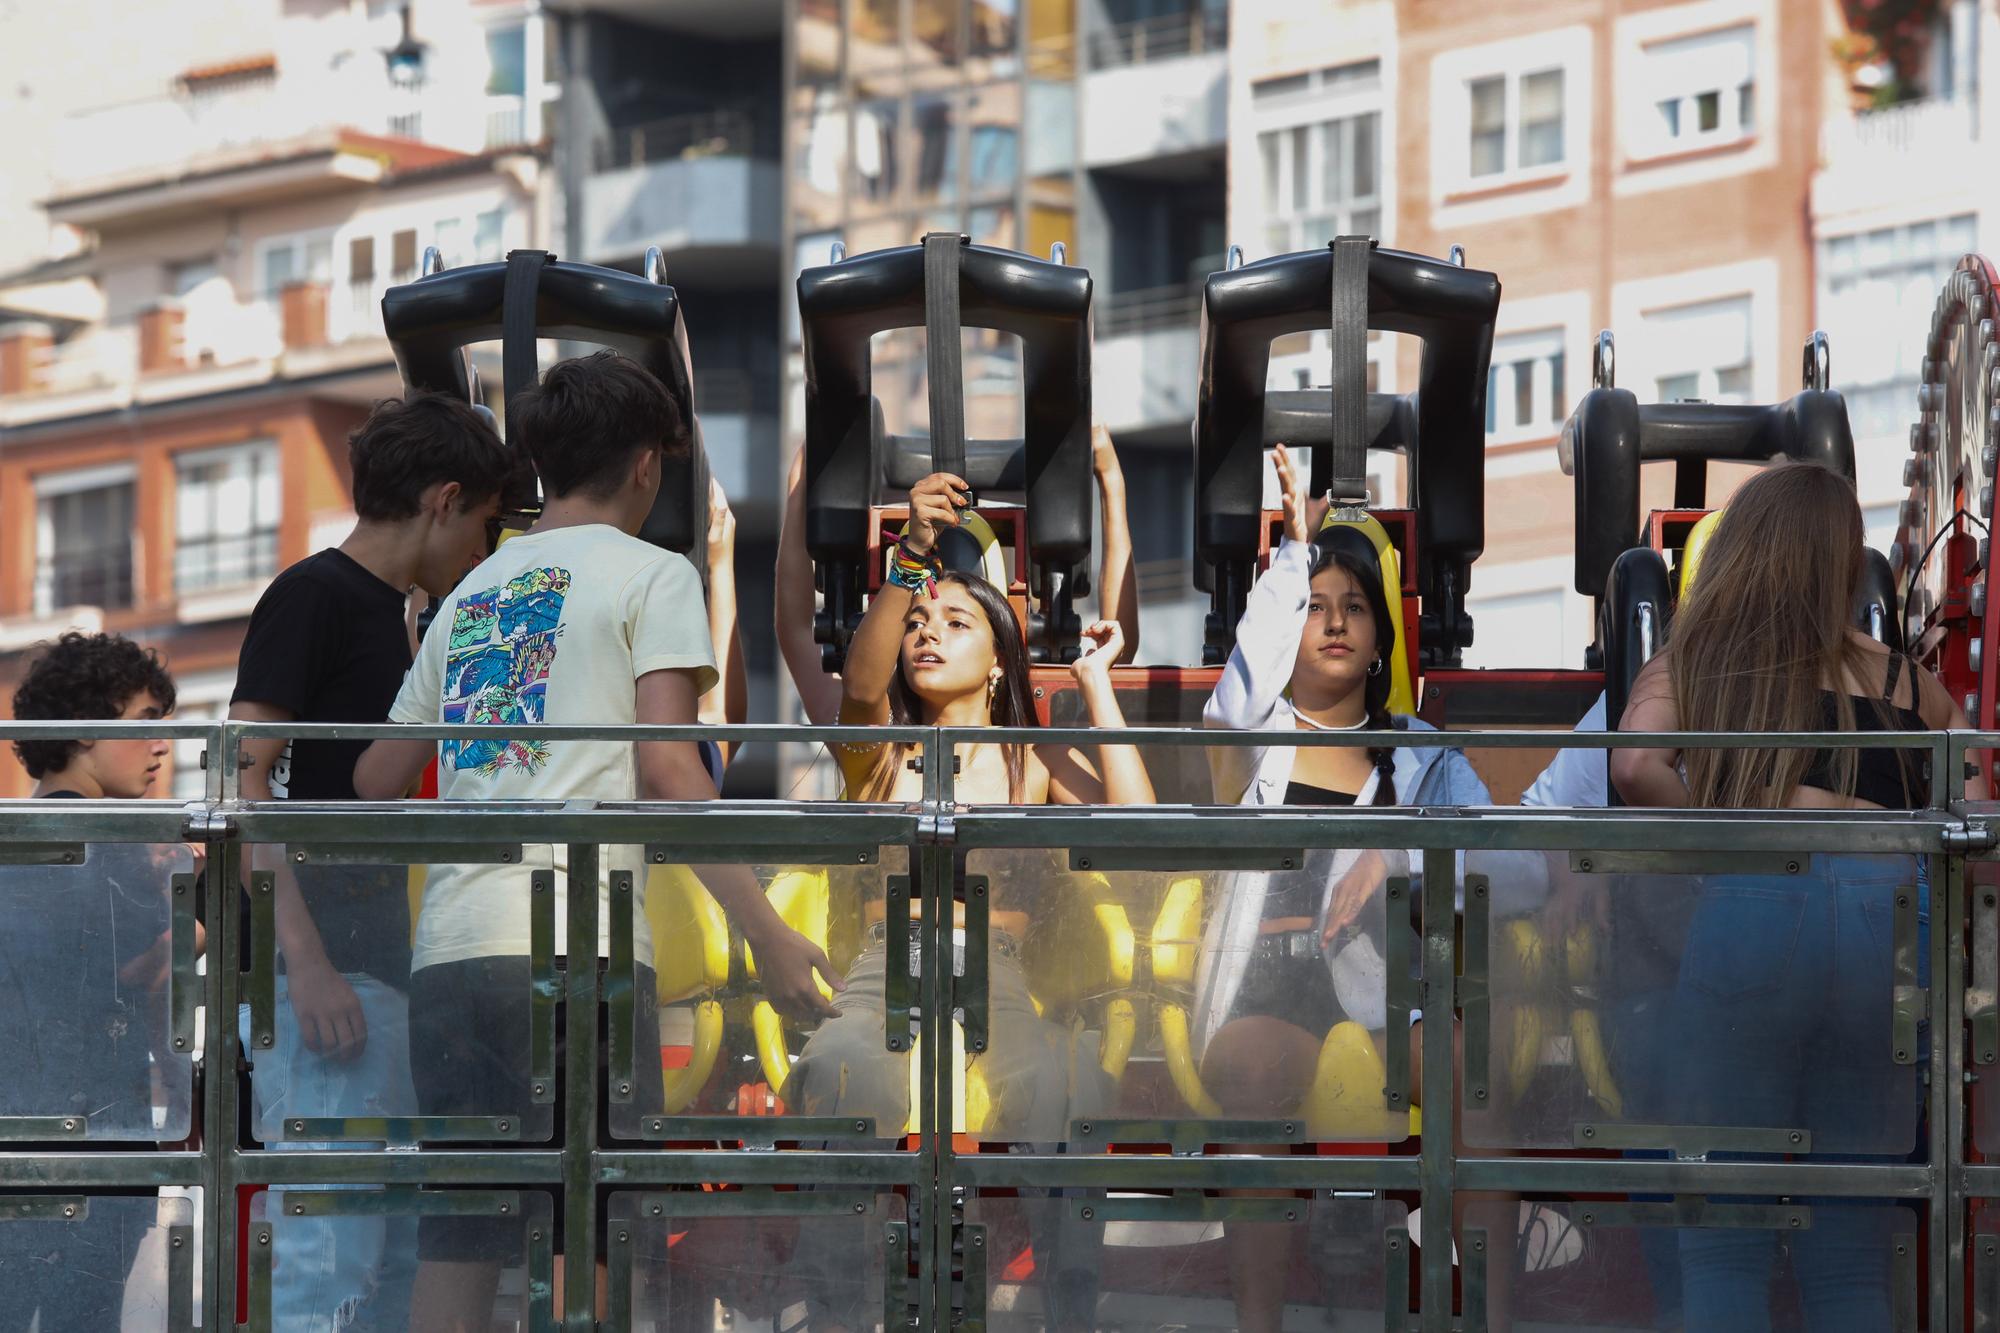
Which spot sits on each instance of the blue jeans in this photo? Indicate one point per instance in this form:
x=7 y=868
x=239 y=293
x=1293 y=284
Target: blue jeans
x=336 y=1274
x=1783 y=1009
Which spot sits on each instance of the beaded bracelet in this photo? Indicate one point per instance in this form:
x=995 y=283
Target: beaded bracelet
x=913 y=571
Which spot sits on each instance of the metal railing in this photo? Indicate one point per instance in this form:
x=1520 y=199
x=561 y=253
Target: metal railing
x=1177 y=306
x=929 y=1221
x=697 y=135
x=1896 y=134
x=1197 y=32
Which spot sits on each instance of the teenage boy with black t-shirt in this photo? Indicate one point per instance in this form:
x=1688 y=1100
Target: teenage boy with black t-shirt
x=330 y=642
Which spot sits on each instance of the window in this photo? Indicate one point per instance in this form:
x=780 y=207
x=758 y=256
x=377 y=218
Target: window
x=295 y=259
x=226 y=517
x=84 y=521
x=1701 y=351
x=488 y=236
x=507 y=61
x=1877 y=285
x=1321 y=181
x=1527 y=394
x=1320 y=156
x=1703 y=89
x=1516 y=123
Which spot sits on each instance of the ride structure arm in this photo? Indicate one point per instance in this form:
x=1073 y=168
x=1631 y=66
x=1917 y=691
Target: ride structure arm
x=794 y=605
x=1253 y=683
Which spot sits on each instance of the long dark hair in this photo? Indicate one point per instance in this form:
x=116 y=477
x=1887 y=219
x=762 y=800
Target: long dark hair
x=1013 y=701
x=1366 y=573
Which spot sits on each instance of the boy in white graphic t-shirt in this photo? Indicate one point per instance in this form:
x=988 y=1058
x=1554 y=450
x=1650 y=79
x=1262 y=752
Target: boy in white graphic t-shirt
x=575 y=622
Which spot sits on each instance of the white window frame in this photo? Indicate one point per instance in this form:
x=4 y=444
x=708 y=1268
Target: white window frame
x=1649 y=161
x=1512 y=169
x=381 y=230
x=1705 y=372
x=1659 y=89
x=76 y=481
x=1315 y=102
x=267 y=452
x=1538 y=348
x=1773 y=361
x=301 y=245
x=1460 y=198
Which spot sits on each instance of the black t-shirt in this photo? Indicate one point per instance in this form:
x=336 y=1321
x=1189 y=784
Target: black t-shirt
x=327 y=643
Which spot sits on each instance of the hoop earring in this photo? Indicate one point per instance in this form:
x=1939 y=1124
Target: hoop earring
x=1375 y=667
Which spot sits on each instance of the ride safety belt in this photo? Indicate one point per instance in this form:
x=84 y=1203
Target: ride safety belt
x=520 y=366
x=941 y=331
x=1346 y=476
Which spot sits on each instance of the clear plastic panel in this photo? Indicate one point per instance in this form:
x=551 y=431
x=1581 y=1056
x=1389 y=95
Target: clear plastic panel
x=97 y=960
x=1147 y=1006
x=1771 y=1005
x=1156 y=1264
x=403 y=1259
x=833 y=1258
x=98 y=1263
x=699 y=1051
x=452 y=1039
x=1791 y=1267
x=1982 y=1002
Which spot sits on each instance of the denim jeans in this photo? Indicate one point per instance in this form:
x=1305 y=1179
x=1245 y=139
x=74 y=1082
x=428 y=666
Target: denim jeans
x=1783 y=1013
x=337 y=1274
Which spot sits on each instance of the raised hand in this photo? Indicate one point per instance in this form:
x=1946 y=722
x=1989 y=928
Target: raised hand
x=1302 y=513
x=935 y=503
x=1103 y=641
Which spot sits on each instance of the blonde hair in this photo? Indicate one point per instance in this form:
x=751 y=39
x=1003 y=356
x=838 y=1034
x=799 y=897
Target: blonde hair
x=1764 y=631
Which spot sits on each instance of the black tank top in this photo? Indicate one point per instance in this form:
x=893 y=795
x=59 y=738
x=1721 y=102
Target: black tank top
x=1896 y=779
x=1296 y=894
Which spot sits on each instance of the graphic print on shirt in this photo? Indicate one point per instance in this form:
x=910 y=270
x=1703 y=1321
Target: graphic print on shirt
x=503 y=645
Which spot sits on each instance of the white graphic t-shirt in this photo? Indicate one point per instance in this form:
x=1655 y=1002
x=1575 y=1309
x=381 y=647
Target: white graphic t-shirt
x=554 y=628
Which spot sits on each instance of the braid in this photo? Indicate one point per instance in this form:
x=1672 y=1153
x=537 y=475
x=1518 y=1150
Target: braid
x=1383 y=757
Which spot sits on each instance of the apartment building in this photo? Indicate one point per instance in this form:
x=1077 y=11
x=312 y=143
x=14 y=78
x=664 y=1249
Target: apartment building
x=177 y=381
x=1694 y=176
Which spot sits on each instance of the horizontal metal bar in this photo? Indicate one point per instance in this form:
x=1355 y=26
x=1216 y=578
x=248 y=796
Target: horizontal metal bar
x=1692 y=1140
x=1216 y=1171
x=1690 y=1211
x=709 y=852
x=740 y=734
x=1617 y=1175
x=377 y=1166
x=1687 y=863
x=382 y=852
x=403 y=1203
x=736 y=1167
x=37 y=1128
x=630 y=1207
x=67 y=824
x=1189 y=1207
x=757 y=1131
x=1186 y=1136
x=1186 y=737
x=773 y=829
x=109 y=731
x=405 y=1129
x=1208 y=857
x=41 y=853
x=45 y=1208
x=101 y=1170
x=1980 y=1180
x=1484 y=829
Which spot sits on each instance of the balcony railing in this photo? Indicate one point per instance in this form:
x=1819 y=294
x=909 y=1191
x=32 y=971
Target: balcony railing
x=1909 y=132
x=203 y=564
x=697 y=135
x=506 y=121
x=99 y=576
x=1151 y=308
x=1164 y=38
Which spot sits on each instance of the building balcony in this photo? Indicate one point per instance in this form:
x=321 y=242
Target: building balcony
x=1148 y=343
x=190 y=148
x=1898 y=153
x=739 y=429
x=696 y=186
x=1156 y=88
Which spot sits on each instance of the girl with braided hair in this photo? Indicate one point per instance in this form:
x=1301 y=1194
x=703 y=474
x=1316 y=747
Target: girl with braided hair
x=1288 y=956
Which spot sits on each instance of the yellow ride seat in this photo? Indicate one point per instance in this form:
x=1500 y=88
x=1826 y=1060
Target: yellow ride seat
x=691 y=960
x=1346 y=1098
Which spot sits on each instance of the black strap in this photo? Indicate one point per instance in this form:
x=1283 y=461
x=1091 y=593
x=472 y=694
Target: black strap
x=1346 y=477
x=519 y=365
x=941 y=328
x=1895 y=670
